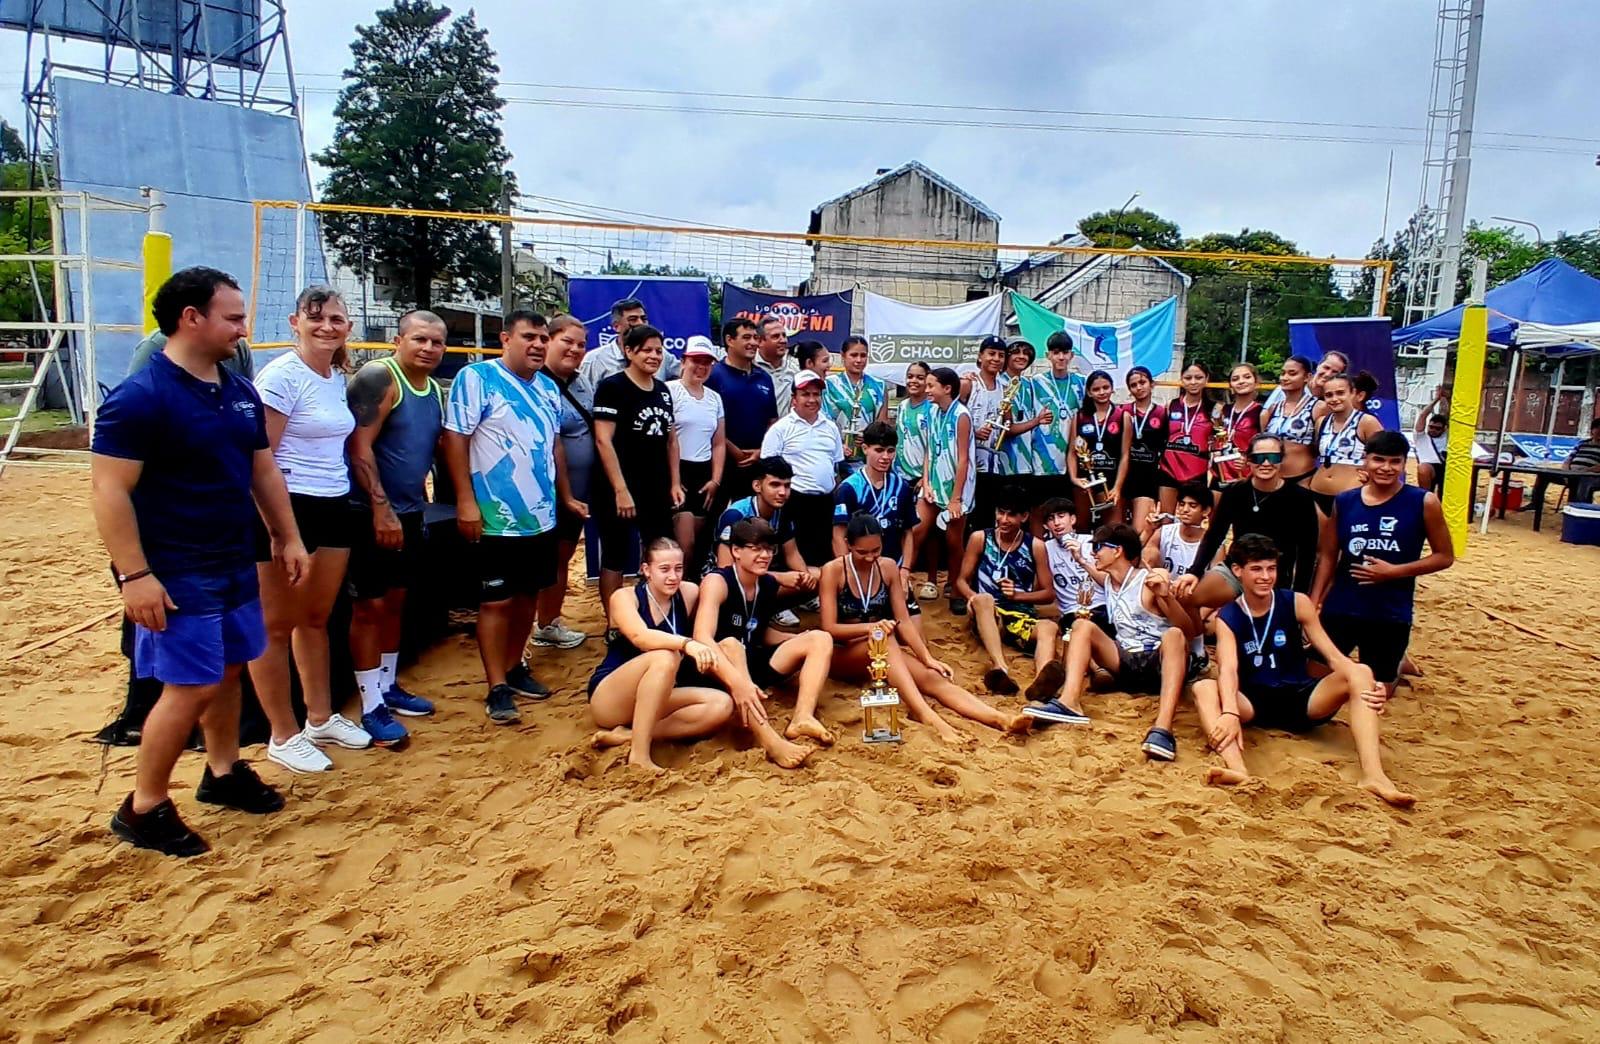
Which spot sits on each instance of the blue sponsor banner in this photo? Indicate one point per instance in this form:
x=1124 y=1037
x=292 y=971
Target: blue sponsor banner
x=1366 y=341
x=678 y=306
x=807 y=317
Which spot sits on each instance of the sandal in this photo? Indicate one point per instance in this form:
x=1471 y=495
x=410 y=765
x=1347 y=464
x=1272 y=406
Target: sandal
x=1160 y=745
x=1054 y=712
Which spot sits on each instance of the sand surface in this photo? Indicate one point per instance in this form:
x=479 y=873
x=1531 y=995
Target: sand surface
x=493 y=883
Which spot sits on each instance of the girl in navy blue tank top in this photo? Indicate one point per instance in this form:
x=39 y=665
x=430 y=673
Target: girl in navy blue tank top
x=645 y=688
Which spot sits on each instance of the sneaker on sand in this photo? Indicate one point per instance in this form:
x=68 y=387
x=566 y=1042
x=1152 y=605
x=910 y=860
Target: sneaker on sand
x=502 y=705
x=241 y=788
x=813 y=606
x=340 y=731
x=408 y=704
x=298 y=754
x=159 y=829
x=786 y=619
x=524 y=683
x=558 y=636
x=381 y=726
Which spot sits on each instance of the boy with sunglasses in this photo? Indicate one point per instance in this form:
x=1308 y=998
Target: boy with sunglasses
x=1267 y=504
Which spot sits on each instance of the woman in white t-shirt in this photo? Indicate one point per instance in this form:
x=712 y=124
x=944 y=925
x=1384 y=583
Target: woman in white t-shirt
x=308 y=421
x=698 y=418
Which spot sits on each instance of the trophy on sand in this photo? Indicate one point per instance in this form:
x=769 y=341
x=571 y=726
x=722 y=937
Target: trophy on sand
x=1002 y=418
x=1099 y=492
x=880 y=701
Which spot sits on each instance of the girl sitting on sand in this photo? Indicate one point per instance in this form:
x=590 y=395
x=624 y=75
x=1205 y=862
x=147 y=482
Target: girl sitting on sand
x=860 y=592
x=649 y=685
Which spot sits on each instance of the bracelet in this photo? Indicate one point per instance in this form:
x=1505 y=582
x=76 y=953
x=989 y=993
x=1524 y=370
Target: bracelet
x=124 y=578
x=1233 y=713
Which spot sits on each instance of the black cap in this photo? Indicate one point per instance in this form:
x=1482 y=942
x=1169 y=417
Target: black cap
x=992 y=341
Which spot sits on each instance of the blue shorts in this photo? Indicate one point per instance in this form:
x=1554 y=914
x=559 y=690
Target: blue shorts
x=218 y=623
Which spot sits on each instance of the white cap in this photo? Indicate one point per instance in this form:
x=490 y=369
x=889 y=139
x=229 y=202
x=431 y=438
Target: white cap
x=805 y=377
x=699 y=345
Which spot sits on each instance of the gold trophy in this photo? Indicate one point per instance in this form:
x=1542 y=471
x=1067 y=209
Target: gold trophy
x=1082 y=611
x=1227 y=463
x=1002 y=417
x=1099 y=492
x=880 y=701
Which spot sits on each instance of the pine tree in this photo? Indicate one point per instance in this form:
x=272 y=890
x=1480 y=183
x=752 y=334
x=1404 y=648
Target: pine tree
x=419 y=127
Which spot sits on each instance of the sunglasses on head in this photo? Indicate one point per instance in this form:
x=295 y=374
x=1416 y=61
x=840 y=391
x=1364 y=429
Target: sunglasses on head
x=1268 y=457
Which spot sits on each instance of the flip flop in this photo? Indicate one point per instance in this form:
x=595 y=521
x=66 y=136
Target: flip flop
x=999 y=682
x=927 y=592
x=1160 y=745
x=1047 y=683
x=1054 y=712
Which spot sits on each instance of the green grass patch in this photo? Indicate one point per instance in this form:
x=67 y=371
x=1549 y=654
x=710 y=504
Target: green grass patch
x=38 y=420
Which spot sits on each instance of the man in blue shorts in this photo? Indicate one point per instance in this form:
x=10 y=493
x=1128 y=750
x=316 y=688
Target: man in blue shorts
x=180 y=468
x=1262 y=678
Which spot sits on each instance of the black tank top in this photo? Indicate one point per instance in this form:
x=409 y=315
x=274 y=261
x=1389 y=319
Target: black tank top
x=868 y=607
x=619 y=651
x=1104 y=439
x=746 y=619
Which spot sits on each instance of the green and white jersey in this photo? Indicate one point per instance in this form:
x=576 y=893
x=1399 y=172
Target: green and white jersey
x=913 y=423
x=1050 y=441
x=942 y=466
x=852 y=407
x=1016 y=455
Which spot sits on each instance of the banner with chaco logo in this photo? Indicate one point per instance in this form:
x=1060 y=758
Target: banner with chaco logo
x=948 y=335
x=806 y=317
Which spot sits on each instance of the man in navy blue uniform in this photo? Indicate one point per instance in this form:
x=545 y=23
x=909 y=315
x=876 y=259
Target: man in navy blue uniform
x=180 y=468
x=1371 y=556
x=1262 y=677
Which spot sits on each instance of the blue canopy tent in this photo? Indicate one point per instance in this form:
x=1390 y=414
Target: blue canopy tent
x=1552 y=309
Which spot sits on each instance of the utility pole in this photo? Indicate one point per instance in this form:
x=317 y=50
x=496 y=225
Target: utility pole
x=1244 y=340
x=507 y=261
x=1461 y=164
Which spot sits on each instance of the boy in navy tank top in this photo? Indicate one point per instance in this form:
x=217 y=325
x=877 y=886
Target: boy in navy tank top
x=1262 y=679
x=1371 y=556
x=1005 y=575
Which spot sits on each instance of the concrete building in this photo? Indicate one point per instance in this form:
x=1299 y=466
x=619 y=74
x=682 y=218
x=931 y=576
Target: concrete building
x=908 y=202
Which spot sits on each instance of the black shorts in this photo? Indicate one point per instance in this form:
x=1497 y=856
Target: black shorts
x=1141 y=482
x=1324 y=501
x=1102 y=620
x=694 y=474
x=569 y=527
x=322 y=521
x=985 y=488
x=622 y=540
x=1041 y=488
x=515 y=565
x=813 y=527
x=375 y=571
x=1381 y=643
x=1284 y=706
x=1139 y=673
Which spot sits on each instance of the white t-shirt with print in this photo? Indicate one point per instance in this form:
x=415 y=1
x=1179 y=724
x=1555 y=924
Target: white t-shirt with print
x=311 y=452
x=695 y=419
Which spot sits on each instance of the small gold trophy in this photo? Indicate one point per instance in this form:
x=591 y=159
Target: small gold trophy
x=880 y=701
x=1082 y=610
x=1099 y=493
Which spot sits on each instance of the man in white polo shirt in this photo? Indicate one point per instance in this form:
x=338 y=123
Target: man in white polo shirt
x=813 y=448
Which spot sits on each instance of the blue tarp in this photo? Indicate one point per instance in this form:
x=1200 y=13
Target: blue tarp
x=1551 y=292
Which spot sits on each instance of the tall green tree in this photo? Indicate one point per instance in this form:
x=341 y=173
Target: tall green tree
x=24 y=225
x=1136 y=227
x=419 y=127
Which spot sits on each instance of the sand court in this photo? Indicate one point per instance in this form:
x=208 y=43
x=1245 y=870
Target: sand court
x=517 y=883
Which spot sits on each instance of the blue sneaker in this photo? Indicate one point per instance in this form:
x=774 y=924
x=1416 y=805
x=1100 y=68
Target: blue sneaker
x=402 y=702
x=384 y=730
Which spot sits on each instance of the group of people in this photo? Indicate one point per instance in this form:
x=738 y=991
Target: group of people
x=741 y=486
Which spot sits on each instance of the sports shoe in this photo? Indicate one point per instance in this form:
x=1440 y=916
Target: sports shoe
x=298 y=754
x=813 y=606
x=340 y=731
x=523 y=683
x=408 y=704
x=241 y=788
x=502 y=705
x=927 y=592
x=786 y=619
x=381 y=726
x=958 y=606
x=159 y=829
x=558 y=636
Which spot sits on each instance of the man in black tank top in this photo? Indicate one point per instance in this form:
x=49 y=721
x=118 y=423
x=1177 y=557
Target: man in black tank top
x=737 y=604
x=1262 y=678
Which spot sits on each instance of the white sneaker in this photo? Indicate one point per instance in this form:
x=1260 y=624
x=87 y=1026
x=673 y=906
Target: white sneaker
x=298 y=754
x=558 y=636
x=786 y=619
x=339 y=730
x=813 y=606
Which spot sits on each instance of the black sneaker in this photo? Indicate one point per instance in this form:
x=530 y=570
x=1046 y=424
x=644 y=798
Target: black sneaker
x=159 y=829
x=502 y=705
x=241 y=788
x=524 y=683
x=958 y=606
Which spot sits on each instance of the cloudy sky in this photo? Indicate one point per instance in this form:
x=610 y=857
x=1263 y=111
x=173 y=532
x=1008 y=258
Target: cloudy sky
x=1180 y=74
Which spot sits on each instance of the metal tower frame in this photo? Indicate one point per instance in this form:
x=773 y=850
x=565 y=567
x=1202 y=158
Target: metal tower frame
x=1435 y=258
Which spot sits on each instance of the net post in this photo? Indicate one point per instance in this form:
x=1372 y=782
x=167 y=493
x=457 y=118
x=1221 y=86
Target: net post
x=156 y=257
x=299 y=249
x=1471 y=348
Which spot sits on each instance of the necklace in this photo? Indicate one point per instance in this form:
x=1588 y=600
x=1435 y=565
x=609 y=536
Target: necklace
x=1259 y=637
x=1138 y=422
x=749 y=603
x=861 y=588
x=669 y=616
x=1256 y=499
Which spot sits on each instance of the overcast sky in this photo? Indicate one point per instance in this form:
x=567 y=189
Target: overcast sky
x=1344 y=64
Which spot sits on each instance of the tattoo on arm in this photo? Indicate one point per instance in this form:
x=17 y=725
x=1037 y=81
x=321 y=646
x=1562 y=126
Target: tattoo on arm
x=368 y=393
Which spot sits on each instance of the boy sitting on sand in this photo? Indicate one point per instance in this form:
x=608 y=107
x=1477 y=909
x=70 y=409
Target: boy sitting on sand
x=1262 y=678
x=1149 y=653
x=1004 y=575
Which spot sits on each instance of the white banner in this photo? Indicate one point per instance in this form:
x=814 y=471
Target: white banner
x=947 y=335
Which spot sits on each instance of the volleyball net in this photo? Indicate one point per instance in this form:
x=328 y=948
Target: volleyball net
x=373 y=251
